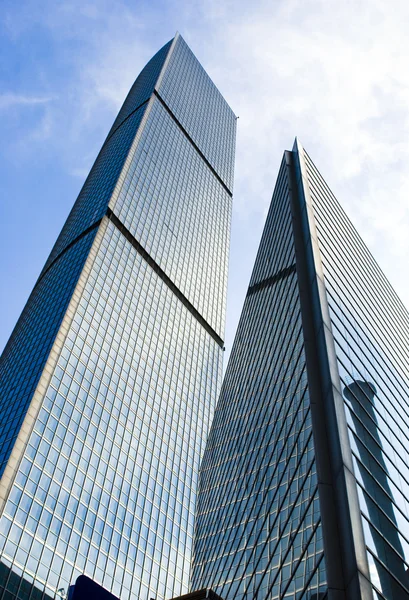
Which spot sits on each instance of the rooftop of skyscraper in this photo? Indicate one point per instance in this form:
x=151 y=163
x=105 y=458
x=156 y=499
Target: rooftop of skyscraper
x=332 y=73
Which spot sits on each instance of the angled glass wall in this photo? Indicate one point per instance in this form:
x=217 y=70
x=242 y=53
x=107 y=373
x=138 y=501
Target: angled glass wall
x=304 y=485
x=371 y=331
x=258 y=530
x=101 y=469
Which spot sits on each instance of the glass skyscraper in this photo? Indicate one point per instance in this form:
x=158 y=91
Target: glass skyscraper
x=304 y=486
x=109 y=380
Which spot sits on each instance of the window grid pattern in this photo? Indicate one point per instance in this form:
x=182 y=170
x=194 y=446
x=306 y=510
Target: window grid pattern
x=143 y=87
x=92 y=202
x=210 y=122
x=258 y=530
x=166 y=178
x=371 y=332
x=107 y=485
x=28 y=348
x=36 y=330
x=96 y=192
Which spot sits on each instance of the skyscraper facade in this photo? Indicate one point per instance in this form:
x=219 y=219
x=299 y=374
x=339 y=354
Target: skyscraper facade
x=304 y=482
x=109 y=380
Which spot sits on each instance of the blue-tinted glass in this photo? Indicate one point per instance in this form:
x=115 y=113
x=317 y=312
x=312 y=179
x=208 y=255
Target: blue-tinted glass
x=258 y=531
x=155 y=204
x=143 y=87
x=27 y=350
x=92 y=202
x=371 y=331
x=104 y=471
x=211 y=123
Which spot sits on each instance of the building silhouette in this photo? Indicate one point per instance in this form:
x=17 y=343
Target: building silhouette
x=304 y=486
x=109 y=380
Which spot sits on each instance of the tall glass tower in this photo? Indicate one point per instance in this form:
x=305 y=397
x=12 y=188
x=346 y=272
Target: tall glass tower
x=109 y=380
x=304 y=486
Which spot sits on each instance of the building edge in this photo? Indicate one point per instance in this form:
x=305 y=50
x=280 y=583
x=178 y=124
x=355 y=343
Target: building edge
x=10 y=471
x=99 y=226
x=347 y=571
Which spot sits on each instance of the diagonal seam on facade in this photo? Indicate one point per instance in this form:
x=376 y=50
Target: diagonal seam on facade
x=126 y=118
x=155 y=267
x=141 y=250
x=195 y=146
x=165 y=278
x=271 y=280
x=70 y=245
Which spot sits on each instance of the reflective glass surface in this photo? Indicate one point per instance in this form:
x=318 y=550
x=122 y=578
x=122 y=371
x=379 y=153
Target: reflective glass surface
x=258 y=529
x=106 y=484
x=371 y=333
x=210 y=123
x=143 y=87
x=96 y=192
x=92 y=202
x=176 y=208
x=27 y=350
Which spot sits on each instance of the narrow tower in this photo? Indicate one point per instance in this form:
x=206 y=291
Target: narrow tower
x=304 y=487
x=109 y=380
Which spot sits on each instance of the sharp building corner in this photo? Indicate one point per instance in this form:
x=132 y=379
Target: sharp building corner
x=304 y=483
x=110 y=378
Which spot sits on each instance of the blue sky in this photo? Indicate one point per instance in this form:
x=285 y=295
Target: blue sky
x=334 y=73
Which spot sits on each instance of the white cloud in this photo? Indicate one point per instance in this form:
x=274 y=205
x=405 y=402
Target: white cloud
x=11 y=100
x=333 y=73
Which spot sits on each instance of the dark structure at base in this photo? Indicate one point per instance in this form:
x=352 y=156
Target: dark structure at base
x=200 y=595
x=86 y=589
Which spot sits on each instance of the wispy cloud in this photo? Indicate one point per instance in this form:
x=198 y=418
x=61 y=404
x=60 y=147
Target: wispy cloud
x=333 y=73
x=11 y=100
